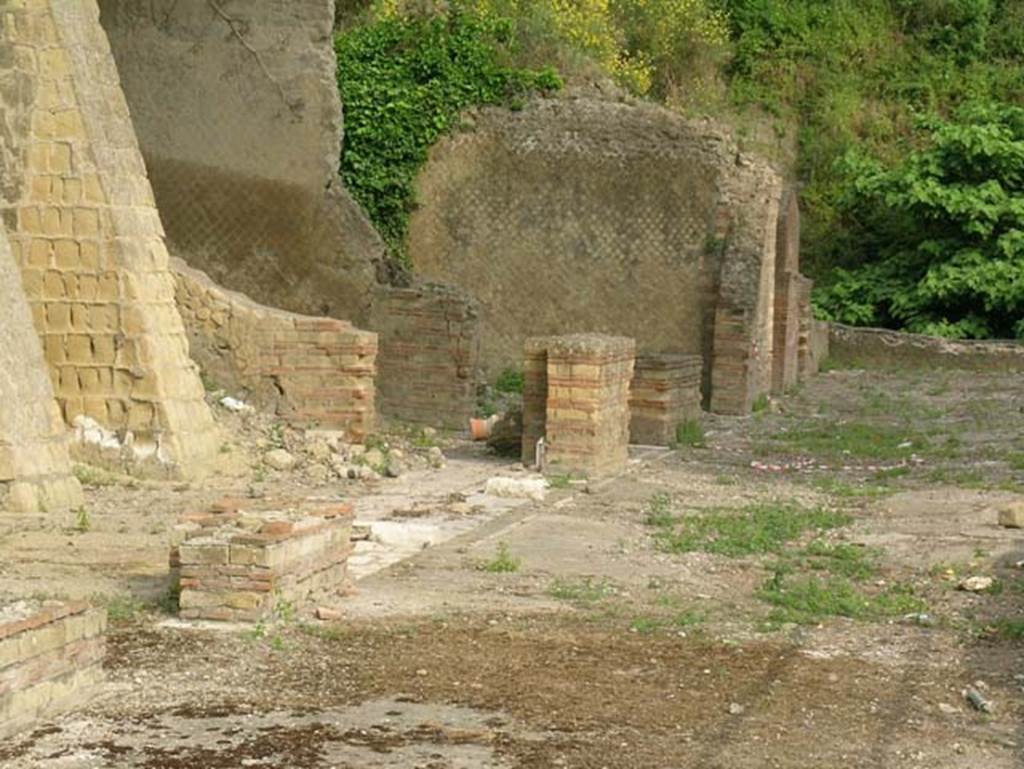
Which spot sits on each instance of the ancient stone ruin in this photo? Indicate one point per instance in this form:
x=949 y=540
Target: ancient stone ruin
x=158 y=159
x=50 y=659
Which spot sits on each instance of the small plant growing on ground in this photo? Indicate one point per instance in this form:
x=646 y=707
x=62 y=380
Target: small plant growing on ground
x=587 y=590
x=690 y=434
x=659 y=510
x=806 y=600
x=120 y=608
x=82 y=520
x=503 y=562
x=757 y=529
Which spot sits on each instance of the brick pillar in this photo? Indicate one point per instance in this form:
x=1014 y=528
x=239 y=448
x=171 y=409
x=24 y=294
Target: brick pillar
x=535 y=396
x=665 y=393
x=786 y=321
x=588 y=403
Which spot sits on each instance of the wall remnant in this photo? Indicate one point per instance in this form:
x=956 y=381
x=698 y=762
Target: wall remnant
x=626 y=219
x=35 y=472
x=429 y=347
x=586 y=408
x=50 y=659
x=81 y=220
x=884 y=348
x=248 y=561
x=310 y=371
x=786 y=343
x=664 y=394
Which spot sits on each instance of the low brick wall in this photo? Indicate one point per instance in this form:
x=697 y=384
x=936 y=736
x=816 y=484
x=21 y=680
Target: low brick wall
x=586 y=421
x=310 y=371
x=882 y=348
x=249 y=560
x=50 y=658
x=429 y=351
x=665 y=393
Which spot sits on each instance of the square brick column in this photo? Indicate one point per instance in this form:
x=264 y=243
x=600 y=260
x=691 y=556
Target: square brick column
x=587 y=419
x=535 y=396
x=665 y=393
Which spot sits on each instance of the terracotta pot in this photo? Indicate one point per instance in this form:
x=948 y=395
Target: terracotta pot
x=480 y=429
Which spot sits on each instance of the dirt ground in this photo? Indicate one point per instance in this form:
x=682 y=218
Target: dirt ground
x=587 y=630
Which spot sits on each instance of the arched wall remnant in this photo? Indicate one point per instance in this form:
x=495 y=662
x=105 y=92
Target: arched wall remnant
x=35 y=472
x=87 y=236
x=579 y=215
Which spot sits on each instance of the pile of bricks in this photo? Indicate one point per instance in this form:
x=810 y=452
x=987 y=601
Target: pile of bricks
x=252 y=560
x=50 y=657
x=665 y=393
x=584 y=391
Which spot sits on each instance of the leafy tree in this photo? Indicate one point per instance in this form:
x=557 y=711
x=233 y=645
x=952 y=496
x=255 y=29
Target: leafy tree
x=942 y=232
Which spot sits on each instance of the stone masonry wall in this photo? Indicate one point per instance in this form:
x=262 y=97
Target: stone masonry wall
x=311 y=371
x=579 y=214
x=83 y=226
x=429 y=346
x=35 y=472
x=884 y=348
x=50 y=658
x=237 y=111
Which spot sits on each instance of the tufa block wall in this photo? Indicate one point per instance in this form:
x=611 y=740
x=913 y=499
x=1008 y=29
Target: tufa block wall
x=35 y=472
x=50 y=659
x=244 y=564
x=665 y=392
x=81 y=219
x=310 y=371
x=586 y=421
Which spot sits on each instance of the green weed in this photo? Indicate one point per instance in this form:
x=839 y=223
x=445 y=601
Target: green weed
x=659 y=510
x=855 y=440
x=754 y=530
x=503 y=562
x=690 y=434
x=806 y=600
x=586 y=590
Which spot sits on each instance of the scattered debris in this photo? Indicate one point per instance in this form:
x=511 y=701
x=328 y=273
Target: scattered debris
x=1011 y=515
x=735 y=709
x=279 y=459
x=948 y=709
x=976 y=584
x=328 y=615
x=236 y=406
x=977 y=700
x=525 y=488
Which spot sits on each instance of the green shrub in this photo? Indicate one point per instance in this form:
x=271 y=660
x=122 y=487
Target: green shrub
x=404 y=82
x=946 y=230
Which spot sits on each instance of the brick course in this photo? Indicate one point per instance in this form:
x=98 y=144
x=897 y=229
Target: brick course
x=249 y=561
x=311 y=371
x=665 y=392
x=50 y=658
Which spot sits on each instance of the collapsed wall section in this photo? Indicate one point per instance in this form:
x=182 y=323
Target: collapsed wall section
x=310 y=371
x=35 y=473
x=86 y=233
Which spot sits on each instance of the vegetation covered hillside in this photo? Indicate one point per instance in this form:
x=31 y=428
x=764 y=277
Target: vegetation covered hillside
x=906 y=117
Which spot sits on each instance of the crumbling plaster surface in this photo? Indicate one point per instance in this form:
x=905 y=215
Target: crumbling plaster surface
x=237 y=111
